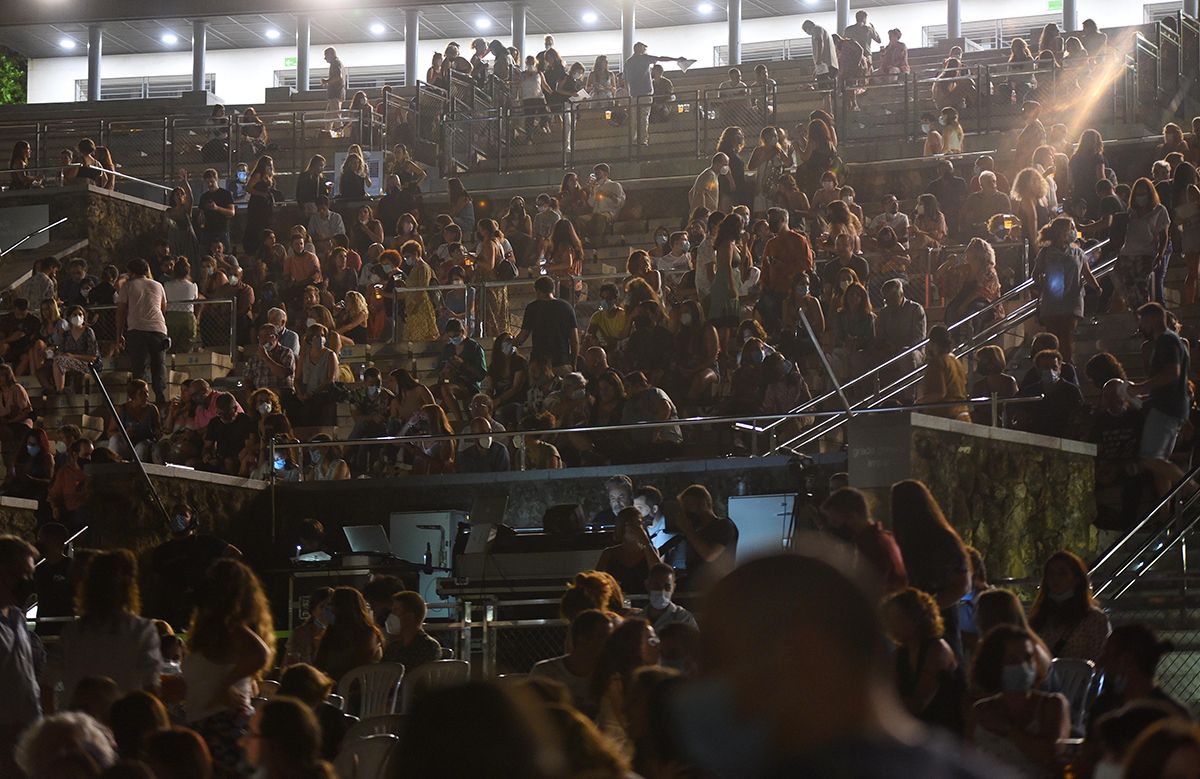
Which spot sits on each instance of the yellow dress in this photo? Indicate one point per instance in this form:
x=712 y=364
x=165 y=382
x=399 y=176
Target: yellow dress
x=420 y=317
x=945 y=381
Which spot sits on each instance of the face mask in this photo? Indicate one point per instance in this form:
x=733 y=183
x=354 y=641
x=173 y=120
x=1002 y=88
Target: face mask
x=724 y=170
x=845 y=285
x=942 y=121
x=1049 y=377
x=456 y=340
x=264 y=409
x=279 y=463
x=920 y=210
x=318 y=342
x=716 y=736
x=578 y=394
x=33 y=449
x=756 y=357
x=925 y=127
x=392 y=625
x=848 y=199
x=60 y=447
x=372 y=391
x=311 y=322
x=179 y=523
x=1107 y=769
x=661 y=240
x=76 y=321
x=801 y=289
x=685 y=247
x=509 y=348
x=485 y=443
x=827 y=185
x=1018 y=677
x=685 y=319
x=607 y=305
x=660 y=599
x=1060 y=597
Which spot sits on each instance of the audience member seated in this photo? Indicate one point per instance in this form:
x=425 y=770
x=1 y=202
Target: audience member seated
x=1064 y=613
x=632 y=645
x=588 y=634
x=1130 y=660
x=284 y=739
x=311 y=687
x=943 y=386
x=408 y=643
x=661 y=611
x=432 y=456
x=351 y=636
x=648 y=403
x=982 y=204
x=1055 y=414
x=993 y=382
x=1018 y=726
x=226 y=435
x=484 y=454
x=997 y=607
x=461 y=368
x=305 y=637
x=928 y=676
x=634 y=555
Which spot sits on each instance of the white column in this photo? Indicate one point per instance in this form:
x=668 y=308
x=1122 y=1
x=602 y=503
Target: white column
x=734 y=10
x=627 y=29
x=953 y=19
x=1191 y=8
x=843 y=16
x=95 y=46
x=303 y=44
x=518 y=30
x=412 y=39
x=199 y=53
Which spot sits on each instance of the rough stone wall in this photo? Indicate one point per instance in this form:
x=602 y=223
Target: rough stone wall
x=1020 y=503
x=18 y=522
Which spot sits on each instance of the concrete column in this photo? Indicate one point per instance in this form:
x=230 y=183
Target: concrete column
x=953 y=19
x=303 y=44
x=199 y=53
x=843 y=16
x=627 y=30
x=412 y=37
x=734 y=10
x=1191 y=8
x=518 y=30
x=95 y=45
x=1070 y=22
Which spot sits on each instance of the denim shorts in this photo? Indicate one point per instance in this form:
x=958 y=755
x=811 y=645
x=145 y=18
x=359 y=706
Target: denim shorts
x=1158 y=434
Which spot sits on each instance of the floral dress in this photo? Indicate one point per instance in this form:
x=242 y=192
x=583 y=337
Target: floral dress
x=420 y=317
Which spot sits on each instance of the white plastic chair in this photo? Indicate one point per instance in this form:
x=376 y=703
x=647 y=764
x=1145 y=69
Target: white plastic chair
x=378 y=688
x=267 y=688
x=381 y=725
x=431 y=676
x=367 y=758
x=1076 y=680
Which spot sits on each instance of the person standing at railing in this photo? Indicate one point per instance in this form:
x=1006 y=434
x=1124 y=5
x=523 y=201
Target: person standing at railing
x=18 y=164
x=308 y=185
x=855 y=67
x=824 y=55
x=641 y=87
x=259 y=210
x=142 y=326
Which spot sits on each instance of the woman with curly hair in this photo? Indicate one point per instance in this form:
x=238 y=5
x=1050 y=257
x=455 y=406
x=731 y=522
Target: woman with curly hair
x=231 y=641
x=109 y=638
x=928 y=675
x=592 y=590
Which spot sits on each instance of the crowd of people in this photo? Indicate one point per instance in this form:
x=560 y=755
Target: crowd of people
x=914 y=662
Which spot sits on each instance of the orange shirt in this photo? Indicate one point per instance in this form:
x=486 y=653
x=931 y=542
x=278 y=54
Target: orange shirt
x=788 y=253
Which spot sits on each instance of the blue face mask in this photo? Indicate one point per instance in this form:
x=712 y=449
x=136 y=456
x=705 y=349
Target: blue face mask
x=456 y=340
x=315 y=456
x=33 y=449
x=279 y=463
x=179 y=523
x=714 y=734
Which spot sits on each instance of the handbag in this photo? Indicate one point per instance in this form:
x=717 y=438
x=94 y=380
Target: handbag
x=506 y=270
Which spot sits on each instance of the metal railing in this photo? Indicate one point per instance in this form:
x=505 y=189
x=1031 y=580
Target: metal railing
x=153 y=191
x=34 y=234
x=908 y=380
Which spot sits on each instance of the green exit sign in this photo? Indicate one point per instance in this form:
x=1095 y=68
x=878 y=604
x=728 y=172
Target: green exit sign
x=290 y=62
x=1054 y=5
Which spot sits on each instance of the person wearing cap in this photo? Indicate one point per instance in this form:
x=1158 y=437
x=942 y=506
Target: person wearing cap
x=641 y=86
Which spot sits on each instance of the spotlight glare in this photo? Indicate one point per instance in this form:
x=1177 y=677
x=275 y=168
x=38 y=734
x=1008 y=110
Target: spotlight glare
x=483 y=23
x=66 y=43
x=272 y=33
x=705 y=8
x=169 y=38
x=590 y=17
x=378 y=29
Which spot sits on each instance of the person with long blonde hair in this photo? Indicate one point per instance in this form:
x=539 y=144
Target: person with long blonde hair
x=1029 y=201
x=231 y=642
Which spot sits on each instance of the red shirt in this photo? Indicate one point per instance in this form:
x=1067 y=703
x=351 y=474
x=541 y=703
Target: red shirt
x=789 y=253
x=878 y=547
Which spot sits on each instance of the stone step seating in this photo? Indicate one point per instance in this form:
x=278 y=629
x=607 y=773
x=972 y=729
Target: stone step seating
x=17 y=265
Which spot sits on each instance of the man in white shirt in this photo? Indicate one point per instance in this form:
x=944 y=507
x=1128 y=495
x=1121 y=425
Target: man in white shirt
x=891 y=216
x=706 y=189
x=589 y=632
x=18 y=677
x=825 y=59
x=734 y=87
x=142 y=326
x=606 y=197
x=675 y=264
x=325 y=224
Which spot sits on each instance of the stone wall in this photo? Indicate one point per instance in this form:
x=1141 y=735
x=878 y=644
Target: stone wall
x=18 y=517
x=1017 y=497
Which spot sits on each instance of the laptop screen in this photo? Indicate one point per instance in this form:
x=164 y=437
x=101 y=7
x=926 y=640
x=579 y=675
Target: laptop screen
x=367 y=539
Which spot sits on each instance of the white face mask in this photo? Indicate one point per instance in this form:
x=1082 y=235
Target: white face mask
x=509 y=348
x=310 y=323
x=826 y=185
x=724 y=170
x=392 y=625
x=660 y=599
x=264 y=409
x=485 y=442
x=1108 y=769
x=76 y=320
x=920 y=210
x=925 y=127
x=685 y=319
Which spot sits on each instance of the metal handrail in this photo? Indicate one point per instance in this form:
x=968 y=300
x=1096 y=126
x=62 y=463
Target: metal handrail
x=36 y=232
x=652 y=425
x=116 y=173
x=988 y=334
